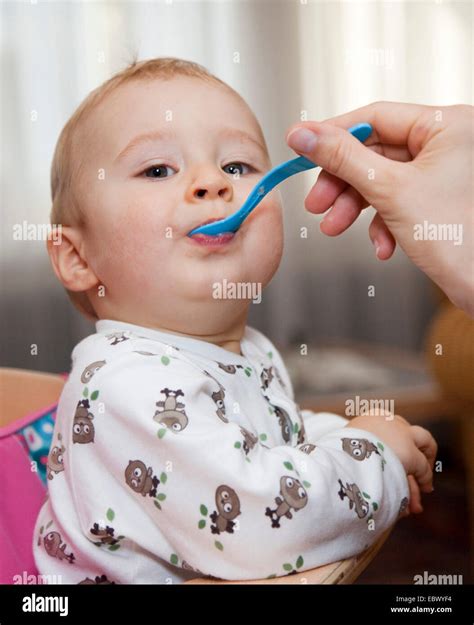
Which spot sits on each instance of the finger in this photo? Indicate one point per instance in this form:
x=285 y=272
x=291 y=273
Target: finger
x=324 y=192
x=342 y=155
x=345 y=211
x=415 y=496
x=425 y=443
x=423 y=472
x=328 y=188
x=391 y=121
x=381 y=238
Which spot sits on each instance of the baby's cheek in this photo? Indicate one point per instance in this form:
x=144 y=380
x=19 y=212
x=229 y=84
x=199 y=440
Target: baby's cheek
x=265 y=239
x=136 y=250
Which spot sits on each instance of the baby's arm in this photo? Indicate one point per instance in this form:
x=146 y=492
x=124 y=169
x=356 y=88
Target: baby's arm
x=189 y=487
x=317 y=424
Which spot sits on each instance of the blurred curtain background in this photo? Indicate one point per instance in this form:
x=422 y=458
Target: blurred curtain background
x=291 y=60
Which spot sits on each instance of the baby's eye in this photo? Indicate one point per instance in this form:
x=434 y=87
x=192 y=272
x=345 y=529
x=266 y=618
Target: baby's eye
x=237 y=168
x=158 y=171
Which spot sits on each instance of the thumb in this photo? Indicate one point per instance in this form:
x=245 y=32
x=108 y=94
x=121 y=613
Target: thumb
x=338 y=152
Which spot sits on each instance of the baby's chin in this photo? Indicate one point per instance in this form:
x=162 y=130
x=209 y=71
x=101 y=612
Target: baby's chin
x=201 y=277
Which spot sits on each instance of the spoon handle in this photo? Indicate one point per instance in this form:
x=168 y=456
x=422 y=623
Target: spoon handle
x=267 y=183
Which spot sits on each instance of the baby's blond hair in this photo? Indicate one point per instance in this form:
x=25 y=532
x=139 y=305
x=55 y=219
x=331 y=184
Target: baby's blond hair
x=66 y=209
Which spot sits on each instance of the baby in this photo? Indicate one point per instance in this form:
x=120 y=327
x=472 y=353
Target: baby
x=178 y=449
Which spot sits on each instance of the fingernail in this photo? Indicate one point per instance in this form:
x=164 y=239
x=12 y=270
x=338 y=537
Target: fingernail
x=377 y=248
x=302 y=140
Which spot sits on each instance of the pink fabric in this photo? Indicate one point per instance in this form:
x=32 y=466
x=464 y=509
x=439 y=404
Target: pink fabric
x=22 y=494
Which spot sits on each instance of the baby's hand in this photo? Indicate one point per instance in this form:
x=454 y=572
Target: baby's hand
x=414 y=446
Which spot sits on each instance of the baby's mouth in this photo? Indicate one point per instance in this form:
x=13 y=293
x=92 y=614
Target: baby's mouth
x=212 y=239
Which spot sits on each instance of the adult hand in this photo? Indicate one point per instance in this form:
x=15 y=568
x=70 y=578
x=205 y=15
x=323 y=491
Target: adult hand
x=416 y=170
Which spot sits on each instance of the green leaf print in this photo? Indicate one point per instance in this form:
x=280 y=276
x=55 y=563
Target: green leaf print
x=202 y=524
x=114 y=547
x=271 y=576
x=157 y=504
x=380 y=446
x=203 y=510
x=263 y=436
x=219 y=545
x=307 y=484
x=237 y=445
x=375 y=505
x=110 y=514
x=248 y=371
x=165 y=360
x=163 y=478
x=161 y=496
x=85 y=392
x=161 y=432
x=296 y=427
x=288 y=567
x=174 y=558
x=366 y=495
x=299 y=562
x=95 y=395
x=270 y=354
x=288 y=465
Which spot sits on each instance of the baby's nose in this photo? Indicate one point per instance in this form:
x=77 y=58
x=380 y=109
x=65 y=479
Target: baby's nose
x=210 y=191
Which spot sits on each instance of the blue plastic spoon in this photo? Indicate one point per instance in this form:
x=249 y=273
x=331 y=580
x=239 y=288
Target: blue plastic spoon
x=267 y=183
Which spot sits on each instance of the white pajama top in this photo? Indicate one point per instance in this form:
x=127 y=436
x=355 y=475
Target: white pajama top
x=173 y=458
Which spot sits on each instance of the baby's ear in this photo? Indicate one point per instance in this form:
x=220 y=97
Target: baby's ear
x=70 y=266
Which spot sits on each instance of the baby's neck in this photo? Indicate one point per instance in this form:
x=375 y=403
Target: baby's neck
x=228 y=339
x=226 y=342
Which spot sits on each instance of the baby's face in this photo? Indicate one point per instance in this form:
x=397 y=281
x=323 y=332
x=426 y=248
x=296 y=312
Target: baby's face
x=142 y=197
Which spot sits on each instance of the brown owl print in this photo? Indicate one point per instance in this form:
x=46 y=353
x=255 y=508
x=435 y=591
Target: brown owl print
x=188 y=567
x=90 y=370
x=359 y=448
x=356 y=500
x=250 y=440
x=55 y=462
x=293 y=496
x=83 y=428
x=301 y=432
x=171 y=411
x=99 y=579
x=266 y=377
x=56 y=548
x=307 y=448
x=403 y=506
x=218 y=398
x=104 y=534
x=141 y=479
x=229 y=368
x=228 y=508
x=118 y=337
x=284 y=421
